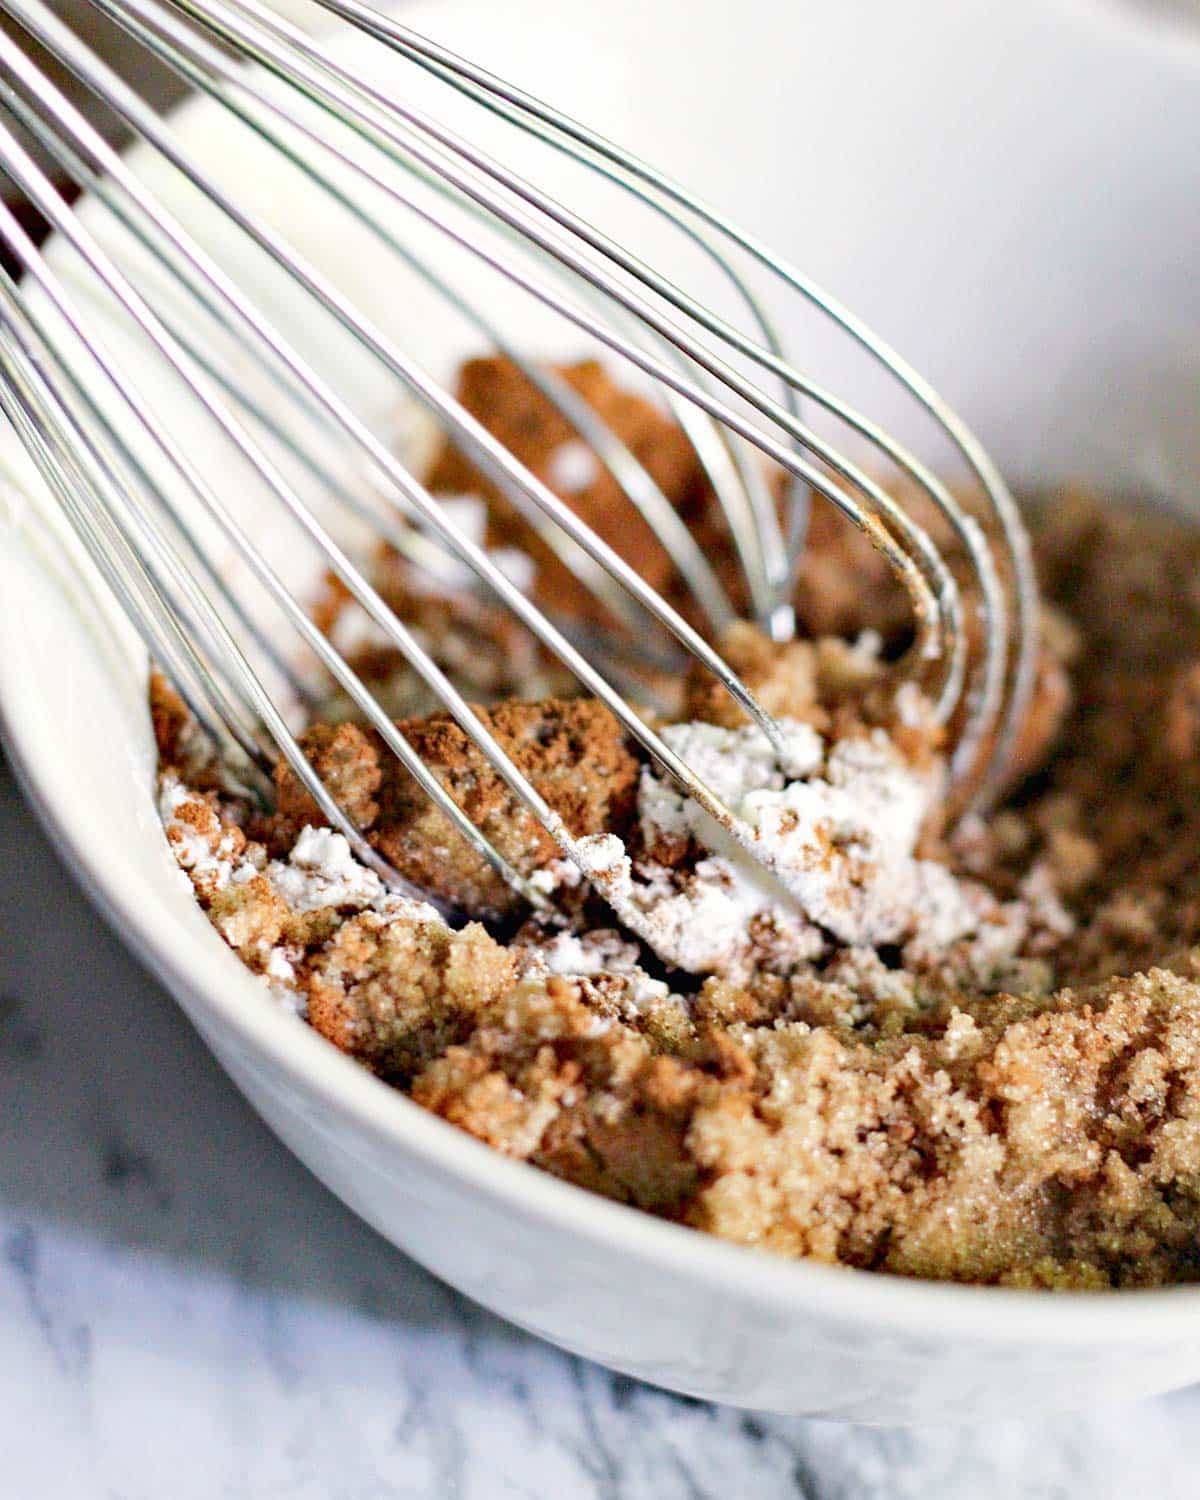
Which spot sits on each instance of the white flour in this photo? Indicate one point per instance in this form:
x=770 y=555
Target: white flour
x=832 y=834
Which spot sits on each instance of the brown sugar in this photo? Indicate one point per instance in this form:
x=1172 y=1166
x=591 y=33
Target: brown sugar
x=572 y=751
x=1007 y=1093
x=396 y=994
x=531 y=427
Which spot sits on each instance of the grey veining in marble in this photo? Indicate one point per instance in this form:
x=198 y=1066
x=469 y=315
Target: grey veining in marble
x=185 y=1314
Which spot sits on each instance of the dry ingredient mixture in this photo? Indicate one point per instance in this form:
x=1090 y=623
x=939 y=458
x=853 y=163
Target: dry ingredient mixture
x=962 y=1050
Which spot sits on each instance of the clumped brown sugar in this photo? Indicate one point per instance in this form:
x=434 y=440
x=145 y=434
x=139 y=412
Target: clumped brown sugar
x=972 y=1052
x=572 y=751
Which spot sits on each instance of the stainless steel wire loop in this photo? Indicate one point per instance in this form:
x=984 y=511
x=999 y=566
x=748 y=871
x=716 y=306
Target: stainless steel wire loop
x=143 y=507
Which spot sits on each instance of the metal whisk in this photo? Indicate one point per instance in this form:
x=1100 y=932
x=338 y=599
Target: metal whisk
x=149 y=518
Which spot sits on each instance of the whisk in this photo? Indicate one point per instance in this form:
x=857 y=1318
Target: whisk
x=139 y=499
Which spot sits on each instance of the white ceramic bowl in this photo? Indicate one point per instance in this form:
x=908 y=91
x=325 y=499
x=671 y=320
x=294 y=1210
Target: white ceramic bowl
x=1011 y=194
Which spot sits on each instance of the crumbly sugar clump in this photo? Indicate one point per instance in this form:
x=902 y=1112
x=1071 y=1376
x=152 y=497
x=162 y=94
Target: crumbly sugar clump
x=856 y=1037
x=572 y=750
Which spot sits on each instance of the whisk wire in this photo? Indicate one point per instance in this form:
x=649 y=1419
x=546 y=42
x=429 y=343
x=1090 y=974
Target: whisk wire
x=740 y=489
x=572 y=136
x=486 y=451
x=98 y=475
x=41 y=193
x=98 y=504
x=482 y=450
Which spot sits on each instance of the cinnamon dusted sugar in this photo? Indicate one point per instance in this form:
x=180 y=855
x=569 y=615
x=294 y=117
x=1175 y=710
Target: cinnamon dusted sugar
x=1011 y=1096
x=572 y=751
x=349 y=761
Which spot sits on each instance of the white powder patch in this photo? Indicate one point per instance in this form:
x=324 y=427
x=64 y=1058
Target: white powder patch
x=517 y=566
x=559 y=874
x=572 y=467
x=280 y=967
x=207 y=852
x=868 y=643
x=321 y=871
x=731 y=763
x=597 y=952
x=1046 y=910
x=843 y=845
x=829 y=835
x=280 y=977
x=606 y=954
x=470 y=515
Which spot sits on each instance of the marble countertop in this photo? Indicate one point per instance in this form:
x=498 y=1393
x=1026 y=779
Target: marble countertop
x=186 y=1313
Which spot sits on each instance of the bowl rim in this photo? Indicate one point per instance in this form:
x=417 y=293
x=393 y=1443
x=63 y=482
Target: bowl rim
x=218 y=985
